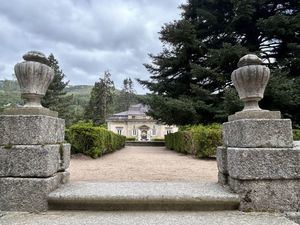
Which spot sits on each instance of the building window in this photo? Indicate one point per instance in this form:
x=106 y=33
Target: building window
x=169 y=131
x=154 y=131
x=119 y=130
x=134 y=131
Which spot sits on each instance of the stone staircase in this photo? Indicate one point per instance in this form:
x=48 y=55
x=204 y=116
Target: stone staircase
x=143 y=203
x=150 y=196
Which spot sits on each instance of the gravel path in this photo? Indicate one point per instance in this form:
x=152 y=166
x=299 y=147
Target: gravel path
x=143 y=164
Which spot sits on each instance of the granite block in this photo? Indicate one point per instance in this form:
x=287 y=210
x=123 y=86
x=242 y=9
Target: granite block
x=264 y=163
x=29 y=111
x=33 y=160
x=222 y=159
x=258 y=133
x=65 y=156
x=255 y=114
x=26 y=194
x=31 y=130
x=222 y=178
x=294 y=216
x=267 y=195
x=64 y=177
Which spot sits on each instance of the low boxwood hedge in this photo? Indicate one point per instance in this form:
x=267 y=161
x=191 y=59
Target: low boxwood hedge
x=131 y=139
x=200 y=141
x=93 y=141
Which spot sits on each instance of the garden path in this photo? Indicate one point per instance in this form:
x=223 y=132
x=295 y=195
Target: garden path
x=139 y=163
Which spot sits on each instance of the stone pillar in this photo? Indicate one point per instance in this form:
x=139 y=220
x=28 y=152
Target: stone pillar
x=33 y=154
x=258 y=160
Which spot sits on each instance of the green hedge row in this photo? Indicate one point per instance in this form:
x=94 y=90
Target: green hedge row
x=93 y=141
x=131 y=139
x=200 y=141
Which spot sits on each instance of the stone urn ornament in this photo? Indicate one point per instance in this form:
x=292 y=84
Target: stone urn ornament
x=34 y=76
x=250 y=81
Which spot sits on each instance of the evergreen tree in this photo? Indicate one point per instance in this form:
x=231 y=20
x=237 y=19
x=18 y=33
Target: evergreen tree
x=126 y=96
x=191 y=76
x=55 y=98
x=100 y=100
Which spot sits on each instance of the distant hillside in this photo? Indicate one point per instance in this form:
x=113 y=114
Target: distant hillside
x=79 y=89
x=10 y=95
x=10 y=92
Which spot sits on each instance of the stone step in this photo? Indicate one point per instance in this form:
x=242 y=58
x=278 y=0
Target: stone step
x=142 y=196
x=143 y=218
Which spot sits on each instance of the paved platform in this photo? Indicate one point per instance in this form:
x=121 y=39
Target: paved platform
x=143 y=196
x=142 y=218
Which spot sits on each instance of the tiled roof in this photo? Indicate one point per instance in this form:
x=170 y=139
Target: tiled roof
x=134 y=110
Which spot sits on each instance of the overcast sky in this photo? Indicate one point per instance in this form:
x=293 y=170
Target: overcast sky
x=86 y=36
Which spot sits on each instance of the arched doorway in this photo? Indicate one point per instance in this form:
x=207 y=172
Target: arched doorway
x=144 y=133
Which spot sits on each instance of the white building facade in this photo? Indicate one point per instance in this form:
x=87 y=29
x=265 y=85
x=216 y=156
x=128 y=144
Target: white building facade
x=134 y=123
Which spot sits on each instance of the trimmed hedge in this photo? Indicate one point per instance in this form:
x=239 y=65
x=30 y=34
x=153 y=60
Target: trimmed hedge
x=200 y=141
x=93 y=141
x=158 y=139
x=131 y=139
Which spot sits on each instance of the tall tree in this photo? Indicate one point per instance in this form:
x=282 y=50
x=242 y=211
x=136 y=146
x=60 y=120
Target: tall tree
x=126 y=96
x=56 y=98
x=100 y=100
x=191 y=76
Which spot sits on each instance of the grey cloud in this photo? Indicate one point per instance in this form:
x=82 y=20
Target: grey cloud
x=87 y=36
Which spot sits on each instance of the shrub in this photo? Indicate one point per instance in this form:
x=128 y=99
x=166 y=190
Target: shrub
x=200 y=141
x=296 y=133
x=158 y=139
x=131 y=139
x=93 y=141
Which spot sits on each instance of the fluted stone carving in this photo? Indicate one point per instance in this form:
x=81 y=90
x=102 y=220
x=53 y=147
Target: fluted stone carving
x=34 y=77
x=250 y=80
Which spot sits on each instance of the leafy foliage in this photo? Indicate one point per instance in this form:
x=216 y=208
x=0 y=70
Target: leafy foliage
x=131 y=138
x=199 y=141
x=191 y=76
x=93 y=141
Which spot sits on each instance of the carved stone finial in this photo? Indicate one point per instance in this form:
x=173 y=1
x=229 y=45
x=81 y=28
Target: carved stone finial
x=36 y=56
x=34 y=76
x=250 y=80
x=248 y=60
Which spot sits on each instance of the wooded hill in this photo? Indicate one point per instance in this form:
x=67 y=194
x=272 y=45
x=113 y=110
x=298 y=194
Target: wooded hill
x=10 y=96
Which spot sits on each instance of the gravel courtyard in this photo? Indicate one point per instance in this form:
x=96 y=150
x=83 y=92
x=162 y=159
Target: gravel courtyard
x=142 y=164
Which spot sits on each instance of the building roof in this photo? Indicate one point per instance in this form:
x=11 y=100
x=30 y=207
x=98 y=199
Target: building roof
x=134 y=110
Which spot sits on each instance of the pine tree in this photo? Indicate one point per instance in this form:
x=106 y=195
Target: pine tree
x=55 y=98
x=100 y=100
x=190 y=78
x=126 y=96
